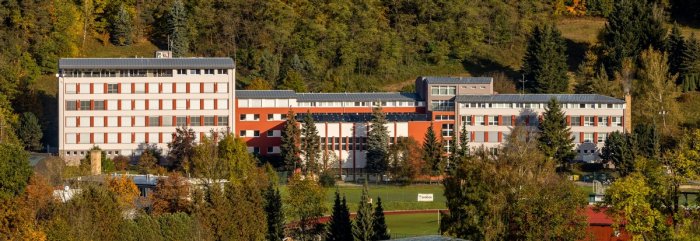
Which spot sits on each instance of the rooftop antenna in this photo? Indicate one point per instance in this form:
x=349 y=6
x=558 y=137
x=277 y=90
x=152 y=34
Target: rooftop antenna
x=523 y=80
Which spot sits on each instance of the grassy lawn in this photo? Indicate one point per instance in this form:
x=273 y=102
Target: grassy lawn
x=584 y=30
x=393 y=197
x=411 y=225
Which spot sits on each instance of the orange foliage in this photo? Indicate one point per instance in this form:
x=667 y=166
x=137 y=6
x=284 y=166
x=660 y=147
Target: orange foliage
x=125 y=190
x=171 y=195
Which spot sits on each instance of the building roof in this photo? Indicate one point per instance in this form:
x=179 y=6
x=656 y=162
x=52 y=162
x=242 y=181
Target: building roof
x=539 y=98
x=145 y=63
x=351 y=97
x=265 y=94
x=456 y=80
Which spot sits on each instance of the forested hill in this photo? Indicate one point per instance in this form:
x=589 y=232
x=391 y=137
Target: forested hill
x=305 y=45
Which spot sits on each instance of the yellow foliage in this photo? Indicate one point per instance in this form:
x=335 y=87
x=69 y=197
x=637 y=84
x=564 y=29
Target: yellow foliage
x=125 y=190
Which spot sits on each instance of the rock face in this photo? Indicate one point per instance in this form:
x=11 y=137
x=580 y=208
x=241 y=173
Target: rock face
x=95 y=162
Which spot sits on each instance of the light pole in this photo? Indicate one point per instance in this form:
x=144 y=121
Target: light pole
x=523 y=80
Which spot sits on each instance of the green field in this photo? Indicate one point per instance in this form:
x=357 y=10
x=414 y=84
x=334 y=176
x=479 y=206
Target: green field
x=393 y=197
x=411 y=225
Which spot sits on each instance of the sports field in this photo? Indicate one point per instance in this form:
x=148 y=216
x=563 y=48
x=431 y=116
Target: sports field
x=411 y=225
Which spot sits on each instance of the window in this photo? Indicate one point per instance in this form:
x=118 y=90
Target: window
x=98 y=121
x=194 y=104
x=195 y=71
x=242 y=133
x=493 y=136
x=112 y=138
x=588 y=137
x=443 y=90
x=447 y=129
x=71 y=105
x=222 y=71
x=180 y=88
x=270 y=133
x=154 y=121
x=126 y=121
x=126 y=88
x=167 y=104
x=180 y=104
x=444 y=117
x=139 y=88
x=222 y=104
x=588 y=121
x=256 y=133
x=84 y=105
x=446 y=105
x=181 y=121
x=208 y=104
x=480 y=120
x=139 y=104
x=479 y=136
x=70 y=89
x=575 y=121
x=71 y=122
x=195 y=121
x=140 y=121
x=84 y=88
x=153 y=88
x=467 y=119
x=182 y=71
x=99 y=105
x=84 y=138
x=223 y=120
x=153 y=104
x=208 y=71
x=602 y=137
x=167 y=121
x=493 y=120
x=194 y=88
x=98 y=138
x=98 y=88
x=167 y=88
x=208 y=120
x=112 y=105
x=602 y=120
x=112 y=88
x=506 y=121
x=617 y=121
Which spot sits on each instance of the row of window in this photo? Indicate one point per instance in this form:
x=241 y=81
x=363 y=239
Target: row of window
x=442 y=105
x=538 y=106
x=443 y=90
x=256 y=117
x=146 y=88
x=136 y=72
x=118 y=138
x=141 y=121
x=533 y=120
x=362 y=104
x=167 y=104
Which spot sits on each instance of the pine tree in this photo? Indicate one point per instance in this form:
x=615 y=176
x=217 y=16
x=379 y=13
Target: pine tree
x=555 y=139
x=379 y=227
x=631 y=28
x=291 y=138
x=340 y=226
x=544 y=63
x=29 y=131
x=362 y=228
x=586 y=73
x=310 y=144
x=377 y=143
x=122 y=27
x=675 y=46
x=618 y=150
x=178 y=30
x=275 y=214
x=432 y=151
x=690 y=65
x=463 y=151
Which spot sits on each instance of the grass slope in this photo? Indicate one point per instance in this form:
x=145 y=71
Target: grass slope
x=411 y=225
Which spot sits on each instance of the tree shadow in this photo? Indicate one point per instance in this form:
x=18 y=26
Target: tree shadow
x=479 y=66
x=576 y=52
x=45 y=108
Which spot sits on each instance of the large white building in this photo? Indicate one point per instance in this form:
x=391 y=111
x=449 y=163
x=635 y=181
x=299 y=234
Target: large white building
x=119 y=104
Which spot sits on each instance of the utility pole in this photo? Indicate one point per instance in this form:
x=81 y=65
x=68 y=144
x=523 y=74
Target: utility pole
x=523 y=80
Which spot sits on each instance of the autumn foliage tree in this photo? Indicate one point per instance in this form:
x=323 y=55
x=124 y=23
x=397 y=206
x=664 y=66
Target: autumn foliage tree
x=124 y=189
x=171 y=195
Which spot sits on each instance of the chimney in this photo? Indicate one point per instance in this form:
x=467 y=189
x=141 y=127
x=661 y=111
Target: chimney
x=628 y=113
x=95 y=162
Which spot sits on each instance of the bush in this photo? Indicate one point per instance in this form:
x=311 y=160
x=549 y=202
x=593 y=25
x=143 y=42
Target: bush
x=121 y=163
x=326 y=179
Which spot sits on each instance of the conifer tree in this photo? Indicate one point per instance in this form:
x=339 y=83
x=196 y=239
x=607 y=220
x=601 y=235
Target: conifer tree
x=618 y=150
x=675 y=46
x=432 y=151
x=289 y=149
x=362 y=228
x=545 y=61
x=379 y=223
x=631 y=28
x=310 y=144
x=463 y=151
x=377 y=143
x=275 y=214
x=29 y=131
x=122 y=27
x=178 y=30
x=555 y=139
x=690 y=65
x=340 y=226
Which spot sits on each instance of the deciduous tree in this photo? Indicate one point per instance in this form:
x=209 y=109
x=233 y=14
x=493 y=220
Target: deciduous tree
x=171 y=195
x=181 y=149
x=304 y=205
x=14 y=170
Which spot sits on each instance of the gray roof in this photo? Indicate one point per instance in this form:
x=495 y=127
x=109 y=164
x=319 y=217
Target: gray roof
x=456 y=80
x=266 y=94
x=146 y=63
x=368 y=96
x=539 y=98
